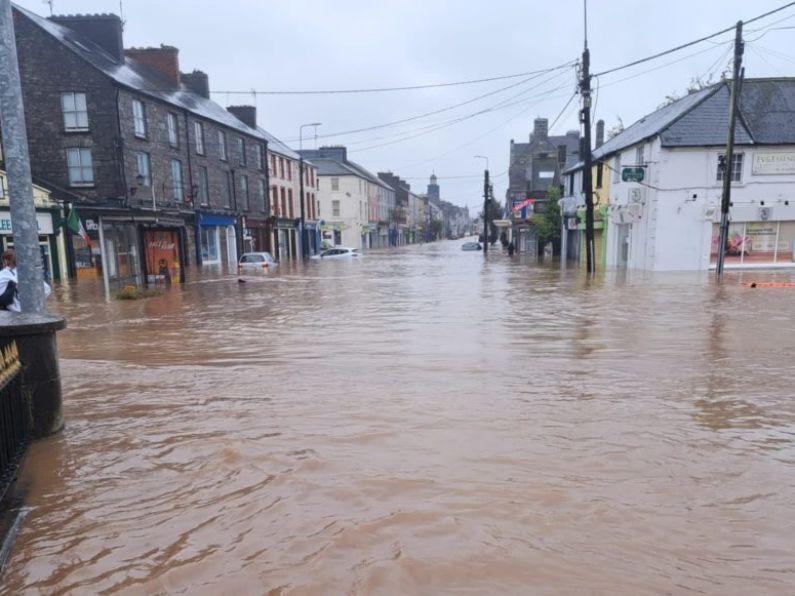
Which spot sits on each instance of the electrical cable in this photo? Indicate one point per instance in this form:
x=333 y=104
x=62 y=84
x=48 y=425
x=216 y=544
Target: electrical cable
x=403 y=88
x=692 y=43
x=426 y=114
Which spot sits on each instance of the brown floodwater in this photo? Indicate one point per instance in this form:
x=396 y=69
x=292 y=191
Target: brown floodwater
x=421 y=421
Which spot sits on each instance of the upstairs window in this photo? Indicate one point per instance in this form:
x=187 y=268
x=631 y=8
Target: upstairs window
x=228 y=189
x=222 y=145
x=203 y=190
x=144 y=168
x=241 y=151
x=173 y=129
x=335 y=208
x=244 y=192
x=260 y=157
x=75 y=112
x=639 y=155
x=261 y=195
x=139 y=118
x=737 y=167
x=335 y=183
x=599 y=174
x=81 y=167
x=176 y=179
x=198 y=132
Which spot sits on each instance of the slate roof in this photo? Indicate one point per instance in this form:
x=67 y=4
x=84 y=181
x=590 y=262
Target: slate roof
x=766 y=116
x=278 y=146
x=331 y=167
x=139 y=77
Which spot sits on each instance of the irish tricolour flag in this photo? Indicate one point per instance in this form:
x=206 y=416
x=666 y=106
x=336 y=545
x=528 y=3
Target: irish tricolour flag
x=76 y=225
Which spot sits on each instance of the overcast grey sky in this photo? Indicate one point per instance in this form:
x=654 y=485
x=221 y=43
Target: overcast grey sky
x=311 y=44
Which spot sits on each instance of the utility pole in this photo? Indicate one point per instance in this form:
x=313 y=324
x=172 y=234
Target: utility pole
x=17 y=159
x=587 y=185
x=486 y=193
x=728 y=160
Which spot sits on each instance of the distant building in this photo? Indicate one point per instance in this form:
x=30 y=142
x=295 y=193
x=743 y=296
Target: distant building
x=534 y=167
x=354 y=203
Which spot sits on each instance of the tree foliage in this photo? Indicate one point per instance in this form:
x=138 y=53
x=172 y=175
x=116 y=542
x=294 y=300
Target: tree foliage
x=436 y=228
x=548 y=223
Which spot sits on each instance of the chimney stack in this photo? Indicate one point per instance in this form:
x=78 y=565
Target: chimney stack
x=197 y=81
x=246 y=114
x=104 y=30
x=600 y=133
x=165 y=60
x=540 y=129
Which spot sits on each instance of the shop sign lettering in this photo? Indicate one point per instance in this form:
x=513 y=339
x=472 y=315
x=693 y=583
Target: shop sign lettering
x=43 y=221
x=774 y=163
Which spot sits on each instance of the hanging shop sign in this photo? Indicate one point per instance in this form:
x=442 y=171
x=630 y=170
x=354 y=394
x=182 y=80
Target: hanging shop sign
x=635 y=174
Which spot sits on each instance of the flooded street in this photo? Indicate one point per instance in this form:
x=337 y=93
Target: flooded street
x=422 y=421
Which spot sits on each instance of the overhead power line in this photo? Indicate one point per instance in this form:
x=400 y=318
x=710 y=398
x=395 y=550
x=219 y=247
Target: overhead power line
x=390 y=89
x=694 y=42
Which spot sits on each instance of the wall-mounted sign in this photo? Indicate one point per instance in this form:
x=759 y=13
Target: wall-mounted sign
x=635 y=174
x=571 y=223
x=44 y=221
x=765 y=164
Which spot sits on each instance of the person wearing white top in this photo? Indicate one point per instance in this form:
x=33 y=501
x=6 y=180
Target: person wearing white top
x=9 y=296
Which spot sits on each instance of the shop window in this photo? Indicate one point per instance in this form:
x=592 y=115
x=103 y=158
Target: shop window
x=75 y=112
x=209 y=245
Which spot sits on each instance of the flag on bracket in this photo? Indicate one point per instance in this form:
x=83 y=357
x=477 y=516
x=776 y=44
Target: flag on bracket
x=76 y=226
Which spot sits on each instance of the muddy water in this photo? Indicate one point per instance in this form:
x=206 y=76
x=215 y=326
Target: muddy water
x=420 y=422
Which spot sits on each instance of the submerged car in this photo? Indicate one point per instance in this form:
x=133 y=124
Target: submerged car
x=252 y=262
x=471 y=246
x=338 y=252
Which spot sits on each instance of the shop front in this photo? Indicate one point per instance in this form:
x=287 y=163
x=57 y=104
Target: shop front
x=313 y=236
x=163 y=256
x=51 y=241
x=756 y=244
x=256 y=234
x=217 y=241
x=285 y=238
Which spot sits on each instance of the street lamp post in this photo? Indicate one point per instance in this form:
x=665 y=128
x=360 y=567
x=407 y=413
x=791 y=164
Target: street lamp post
x=485 y=205
x=304 y=241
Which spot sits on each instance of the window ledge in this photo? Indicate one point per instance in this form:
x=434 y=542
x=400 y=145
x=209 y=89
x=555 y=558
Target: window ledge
x=69 y=131
x=82 y=184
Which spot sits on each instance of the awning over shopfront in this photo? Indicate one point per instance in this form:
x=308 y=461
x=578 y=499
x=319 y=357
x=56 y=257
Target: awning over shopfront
x=333 y=227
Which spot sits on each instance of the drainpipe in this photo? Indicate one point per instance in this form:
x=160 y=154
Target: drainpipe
x=196 y=233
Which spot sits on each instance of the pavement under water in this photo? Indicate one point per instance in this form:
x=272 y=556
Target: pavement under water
x=420 y=421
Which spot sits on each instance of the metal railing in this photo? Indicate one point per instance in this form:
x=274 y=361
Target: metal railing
x=13 y=415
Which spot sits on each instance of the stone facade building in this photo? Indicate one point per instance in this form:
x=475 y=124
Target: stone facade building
x=162 y=177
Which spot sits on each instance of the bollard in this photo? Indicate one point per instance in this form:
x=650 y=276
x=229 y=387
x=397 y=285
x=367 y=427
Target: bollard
x=34 y=335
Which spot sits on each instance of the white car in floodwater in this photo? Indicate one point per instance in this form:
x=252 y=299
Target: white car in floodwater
x=256 y=262
x=338 y=252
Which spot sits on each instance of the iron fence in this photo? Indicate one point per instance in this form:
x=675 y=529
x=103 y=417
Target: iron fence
x=13 y=415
